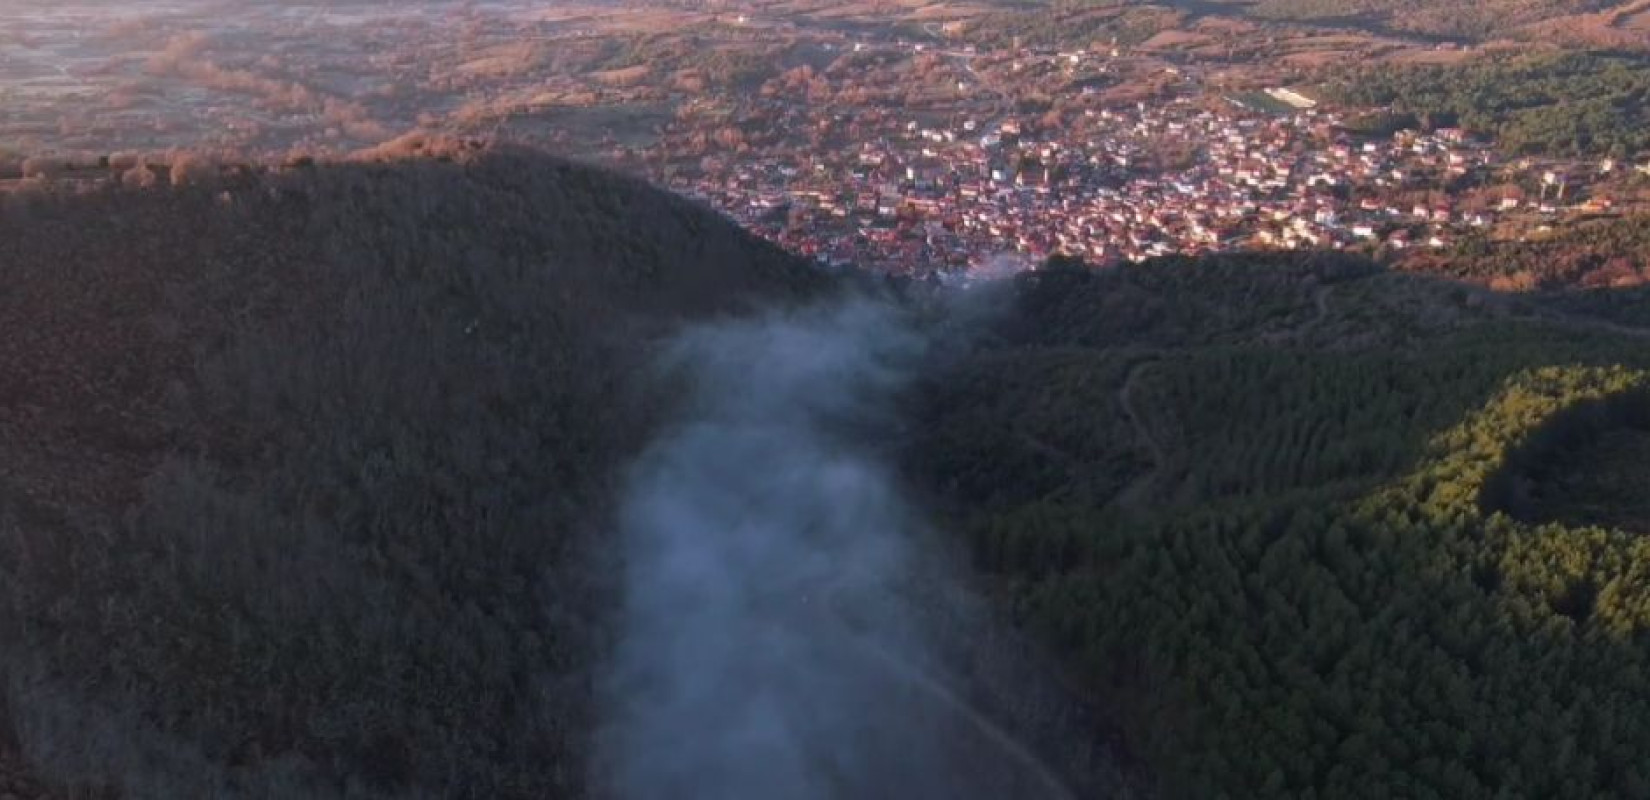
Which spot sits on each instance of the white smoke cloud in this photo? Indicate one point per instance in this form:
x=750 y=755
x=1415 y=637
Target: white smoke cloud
x=769 y=647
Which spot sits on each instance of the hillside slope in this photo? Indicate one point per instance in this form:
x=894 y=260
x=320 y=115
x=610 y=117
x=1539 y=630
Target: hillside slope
x=299 y=469
x=1463 y=19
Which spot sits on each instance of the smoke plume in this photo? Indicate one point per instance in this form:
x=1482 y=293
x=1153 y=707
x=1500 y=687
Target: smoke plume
x=770 y=647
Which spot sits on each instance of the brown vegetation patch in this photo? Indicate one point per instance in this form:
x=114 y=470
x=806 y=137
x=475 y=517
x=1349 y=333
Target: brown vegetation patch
x=1637 y=21
x=89 y=350
x=1625 y=26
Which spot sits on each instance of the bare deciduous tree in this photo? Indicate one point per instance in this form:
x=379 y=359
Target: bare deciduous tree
x=140 y=176
x=41 y=167
x=192 y=170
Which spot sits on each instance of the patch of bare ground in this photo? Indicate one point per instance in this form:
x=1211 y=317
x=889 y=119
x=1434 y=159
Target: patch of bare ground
x=1226 y=25
x=1174 y=39
x=628 y=76
x=1429 y=55
x=948 y=11
x=1316 y=58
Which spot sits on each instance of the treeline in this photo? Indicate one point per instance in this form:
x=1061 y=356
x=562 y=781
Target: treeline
x=1568 y=104
x=1310 y=600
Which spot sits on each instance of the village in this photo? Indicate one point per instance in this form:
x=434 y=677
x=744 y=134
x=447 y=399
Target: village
x=917 y=197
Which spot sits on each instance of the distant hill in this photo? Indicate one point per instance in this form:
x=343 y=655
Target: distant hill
x=301 y=466
x=1464 y=18
x=1619 y=25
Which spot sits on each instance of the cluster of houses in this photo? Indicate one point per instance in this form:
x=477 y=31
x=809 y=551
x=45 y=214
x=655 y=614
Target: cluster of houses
x=1111 y=185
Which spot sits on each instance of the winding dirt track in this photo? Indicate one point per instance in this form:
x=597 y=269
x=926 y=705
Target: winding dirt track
x=1135 y=493
x=1320 y=300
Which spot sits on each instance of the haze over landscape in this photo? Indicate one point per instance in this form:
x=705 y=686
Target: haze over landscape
x=824 y=399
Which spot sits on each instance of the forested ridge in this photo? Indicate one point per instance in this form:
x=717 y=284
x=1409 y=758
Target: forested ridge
x=1316 y=595
x=302 y=470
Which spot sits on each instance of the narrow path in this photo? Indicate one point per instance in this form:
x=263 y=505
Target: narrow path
x=1320 y=305
x=1138 y=490
x=1135 y=493
x=1011 y=747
